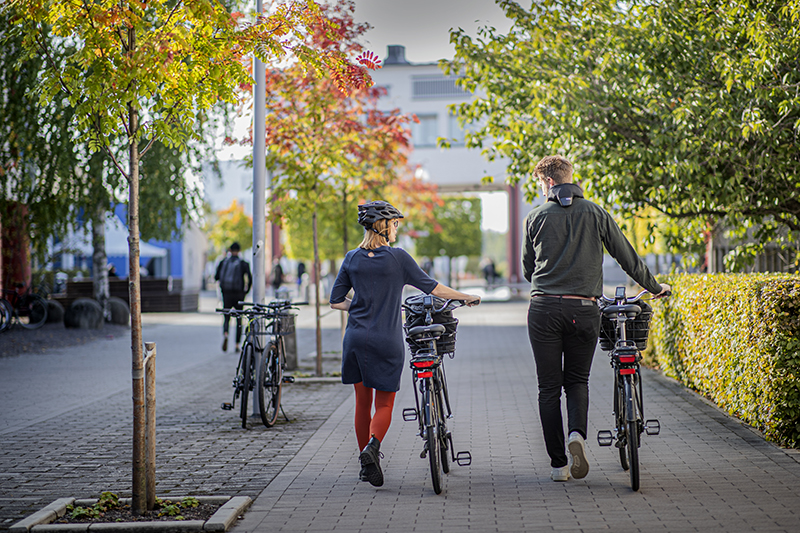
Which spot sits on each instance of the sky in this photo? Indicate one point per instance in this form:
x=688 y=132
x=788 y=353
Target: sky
x=423 y=27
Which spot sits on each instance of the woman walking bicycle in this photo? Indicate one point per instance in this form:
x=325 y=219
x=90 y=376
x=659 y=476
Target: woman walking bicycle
x=373 y=350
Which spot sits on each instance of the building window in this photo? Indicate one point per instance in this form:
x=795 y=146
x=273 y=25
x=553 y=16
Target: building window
x=455 y=132
x=426 y=132
x=436 y=87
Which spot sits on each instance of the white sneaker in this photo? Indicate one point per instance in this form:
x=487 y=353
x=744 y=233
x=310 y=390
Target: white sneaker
x=579 y=466
x=560 y=474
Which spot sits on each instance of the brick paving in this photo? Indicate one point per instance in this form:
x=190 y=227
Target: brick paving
x=49 y=451
x=706 y=471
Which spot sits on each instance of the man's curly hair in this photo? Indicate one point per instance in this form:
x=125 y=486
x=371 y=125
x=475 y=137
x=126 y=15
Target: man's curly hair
x=556 y=167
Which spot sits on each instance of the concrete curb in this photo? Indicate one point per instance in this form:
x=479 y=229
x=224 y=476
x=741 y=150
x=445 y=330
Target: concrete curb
x=40 y=521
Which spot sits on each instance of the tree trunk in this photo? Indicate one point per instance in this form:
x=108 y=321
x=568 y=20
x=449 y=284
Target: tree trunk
x=316 y=289
x=99 y=260
x=139 y=487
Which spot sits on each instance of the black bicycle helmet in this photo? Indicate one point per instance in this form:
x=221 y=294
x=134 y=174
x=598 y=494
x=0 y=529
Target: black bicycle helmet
x=371 y=212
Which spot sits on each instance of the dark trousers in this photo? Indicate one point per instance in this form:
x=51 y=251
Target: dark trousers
x=231 y=300
x=563 y=334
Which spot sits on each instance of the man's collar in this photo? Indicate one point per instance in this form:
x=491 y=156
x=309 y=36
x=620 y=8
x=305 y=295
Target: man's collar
x=564 y=193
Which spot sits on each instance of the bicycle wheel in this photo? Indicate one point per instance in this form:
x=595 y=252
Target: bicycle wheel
x=620 y=420
x=246 y=380
x=632 y=430
x=269 y=384
x=441 y=390
x=6 y=312
x=32 y=311
x=432 y=434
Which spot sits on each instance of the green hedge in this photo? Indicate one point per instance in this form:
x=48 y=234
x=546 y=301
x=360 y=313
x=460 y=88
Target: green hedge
x=735 y=339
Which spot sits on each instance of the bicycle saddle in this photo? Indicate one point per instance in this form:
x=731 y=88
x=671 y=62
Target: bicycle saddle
x=435 y=329
x=630 y=310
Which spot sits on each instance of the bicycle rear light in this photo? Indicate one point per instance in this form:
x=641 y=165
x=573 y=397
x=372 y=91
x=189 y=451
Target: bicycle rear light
x=422 y=364
x=425 y=374
x=627 y=371
x=627 y=359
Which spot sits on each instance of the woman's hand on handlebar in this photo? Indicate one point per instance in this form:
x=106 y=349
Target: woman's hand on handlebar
x=473 y=300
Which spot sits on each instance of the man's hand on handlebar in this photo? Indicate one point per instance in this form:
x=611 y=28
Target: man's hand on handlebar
x=666 y=290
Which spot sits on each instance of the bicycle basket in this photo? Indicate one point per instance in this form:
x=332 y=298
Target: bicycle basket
x=282 y=324
x=636 y=330
x=415 y=316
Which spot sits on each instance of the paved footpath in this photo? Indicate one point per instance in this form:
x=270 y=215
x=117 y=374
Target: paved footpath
x=65 y=422
x=705 y=472
x=65 y=431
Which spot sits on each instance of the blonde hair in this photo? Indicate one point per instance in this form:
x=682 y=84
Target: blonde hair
x=371 y=239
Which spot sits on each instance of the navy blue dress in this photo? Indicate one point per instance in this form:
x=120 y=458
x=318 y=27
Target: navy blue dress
x=373 y=350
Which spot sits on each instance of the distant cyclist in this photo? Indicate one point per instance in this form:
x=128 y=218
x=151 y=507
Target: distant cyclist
x=233 y=274
x=562 y=257
x=373 y=351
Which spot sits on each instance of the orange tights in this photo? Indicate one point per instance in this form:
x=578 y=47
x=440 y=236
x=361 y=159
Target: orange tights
x=367 y=424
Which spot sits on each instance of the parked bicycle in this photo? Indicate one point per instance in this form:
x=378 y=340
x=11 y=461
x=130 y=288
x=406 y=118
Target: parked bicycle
x=430 y=332
x=25 y=307
x=262 y=361
x=625 y=326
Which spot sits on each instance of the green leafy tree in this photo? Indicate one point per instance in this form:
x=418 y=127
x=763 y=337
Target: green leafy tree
x=148 y=72
x=455 y=232
x=690 y=108
x=231 y=224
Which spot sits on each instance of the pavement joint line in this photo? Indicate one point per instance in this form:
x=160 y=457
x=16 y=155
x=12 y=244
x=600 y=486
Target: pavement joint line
x=223 y=518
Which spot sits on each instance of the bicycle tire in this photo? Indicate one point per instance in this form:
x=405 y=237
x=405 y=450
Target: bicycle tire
x=431 y=435
x=632 y=430
x=247 y=371
x=6 y=314
x=443 y=434
x=269 y=384
x=32 y=311
x=619 y=419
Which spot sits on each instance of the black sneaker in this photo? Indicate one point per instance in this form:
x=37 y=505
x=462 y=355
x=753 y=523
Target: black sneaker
x=371 y=463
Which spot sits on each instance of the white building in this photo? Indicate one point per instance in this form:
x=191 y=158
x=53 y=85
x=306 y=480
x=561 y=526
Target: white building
x=425 y=91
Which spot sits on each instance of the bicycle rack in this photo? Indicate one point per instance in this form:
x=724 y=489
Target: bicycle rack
x=226 y=406
x=605 y=437
x=652 y=426
x=410 y=414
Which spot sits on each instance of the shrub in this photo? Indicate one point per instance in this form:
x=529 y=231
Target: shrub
x=735 y=339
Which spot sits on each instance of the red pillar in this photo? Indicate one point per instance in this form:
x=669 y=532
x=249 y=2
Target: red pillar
x=15 y=246
x=514 y=242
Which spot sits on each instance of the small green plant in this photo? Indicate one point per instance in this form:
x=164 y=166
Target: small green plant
x=106 y=502
x=190 y=502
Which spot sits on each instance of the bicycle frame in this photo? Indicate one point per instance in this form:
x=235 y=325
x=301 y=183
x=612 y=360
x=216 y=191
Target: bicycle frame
x=628 y=408
x=431 y=397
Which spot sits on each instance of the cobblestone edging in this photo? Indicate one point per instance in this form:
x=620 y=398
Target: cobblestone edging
x=40 y=522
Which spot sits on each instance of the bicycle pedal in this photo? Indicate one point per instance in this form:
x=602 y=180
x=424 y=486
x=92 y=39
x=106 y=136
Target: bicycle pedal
x=652 y=427
x=463 y=458
x=226 y=406
x=605 y=437
x=288 y=379
x=410 y=414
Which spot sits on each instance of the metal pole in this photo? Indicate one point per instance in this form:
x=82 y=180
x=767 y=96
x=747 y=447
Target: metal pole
x=259 y=186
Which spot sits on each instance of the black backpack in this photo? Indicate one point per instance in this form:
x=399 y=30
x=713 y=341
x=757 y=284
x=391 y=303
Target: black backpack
x=231 y=278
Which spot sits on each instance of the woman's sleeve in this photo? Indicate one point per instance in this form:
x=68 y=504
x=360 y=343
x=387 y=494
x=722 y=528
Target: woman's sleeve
x=414 y=275
x=342 y=285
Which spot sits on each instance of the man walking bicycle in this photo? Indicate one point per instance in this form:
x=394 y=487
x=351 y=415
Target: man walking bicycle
x=562 y=258
x=235 y=279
